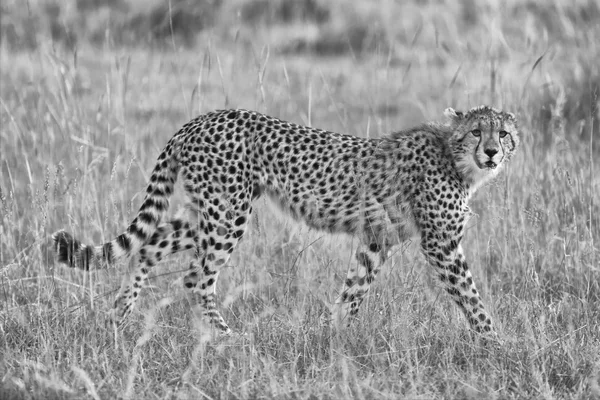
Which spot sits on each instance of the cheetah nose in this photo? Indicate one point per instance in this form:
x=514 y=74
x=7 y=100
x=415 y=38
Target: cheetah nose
x=490 y=152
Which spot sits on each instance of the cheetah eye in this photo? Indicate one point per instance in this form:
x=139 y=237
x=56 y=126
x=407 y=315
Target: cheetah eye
x=503 y=134
x=476 y=132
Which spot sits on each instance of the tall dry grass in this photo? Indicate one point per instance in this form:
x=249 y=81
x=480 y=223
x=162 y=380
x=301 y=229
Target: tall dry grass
x=84 y=115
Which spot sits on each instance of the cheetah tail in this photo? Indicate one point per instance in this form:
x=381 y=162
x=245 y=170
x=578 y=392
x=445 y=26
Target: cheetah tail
x=75 y=254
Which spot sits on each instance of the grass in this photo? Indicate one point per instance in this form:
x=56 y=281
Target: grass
x=83 y=119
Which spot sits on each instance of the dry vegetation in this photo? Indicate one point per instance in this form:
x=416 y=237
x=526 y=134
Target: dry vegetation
x=90 y=91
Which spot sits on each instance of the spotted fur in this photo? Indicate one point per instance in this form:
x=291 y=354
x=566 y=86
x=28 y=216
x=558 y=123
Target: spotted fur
x=384 y=191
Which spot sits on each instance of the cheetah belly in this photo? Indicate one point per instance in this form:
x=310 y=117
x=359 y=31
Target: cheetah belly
x=340 y=212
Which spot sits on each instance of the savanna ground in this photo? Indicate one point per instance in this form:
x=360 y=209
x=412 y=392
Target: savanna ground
x=90 y=92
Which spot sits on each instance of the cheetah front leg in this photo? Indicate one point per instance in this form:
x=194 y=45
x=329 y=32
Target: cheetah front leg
x=449 y=261
x=370 y=257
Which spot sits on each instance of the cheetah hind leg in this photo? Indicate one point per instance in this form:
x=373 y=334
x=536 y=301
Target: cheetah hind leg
x=201 y=284
x=169 y=238
x=369 y=259
x=215 y=249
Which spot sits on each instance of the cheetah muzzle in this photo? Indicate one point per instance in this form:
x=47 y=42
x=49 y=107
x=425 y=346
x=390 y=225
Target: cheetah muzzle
x=412 y=183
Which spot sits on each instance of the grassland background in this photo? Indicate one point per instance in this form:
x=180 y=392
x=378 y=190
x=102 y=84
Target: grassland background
x=91 y=90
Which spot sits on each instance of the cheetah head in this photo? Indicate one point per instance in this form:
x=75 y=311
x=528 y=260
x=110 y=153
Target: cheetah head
x=482 y=140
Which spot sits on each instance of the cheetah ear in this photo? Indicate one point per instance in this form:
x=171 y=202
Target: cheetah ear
x=454 y=116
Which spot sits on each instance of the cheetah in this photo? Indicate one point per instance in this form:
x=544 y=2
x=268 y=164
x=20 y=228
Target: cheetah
x=384 y=191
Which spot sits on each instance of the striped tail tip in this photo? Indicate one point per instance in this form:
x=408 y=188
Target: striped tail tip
x=71 y=251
